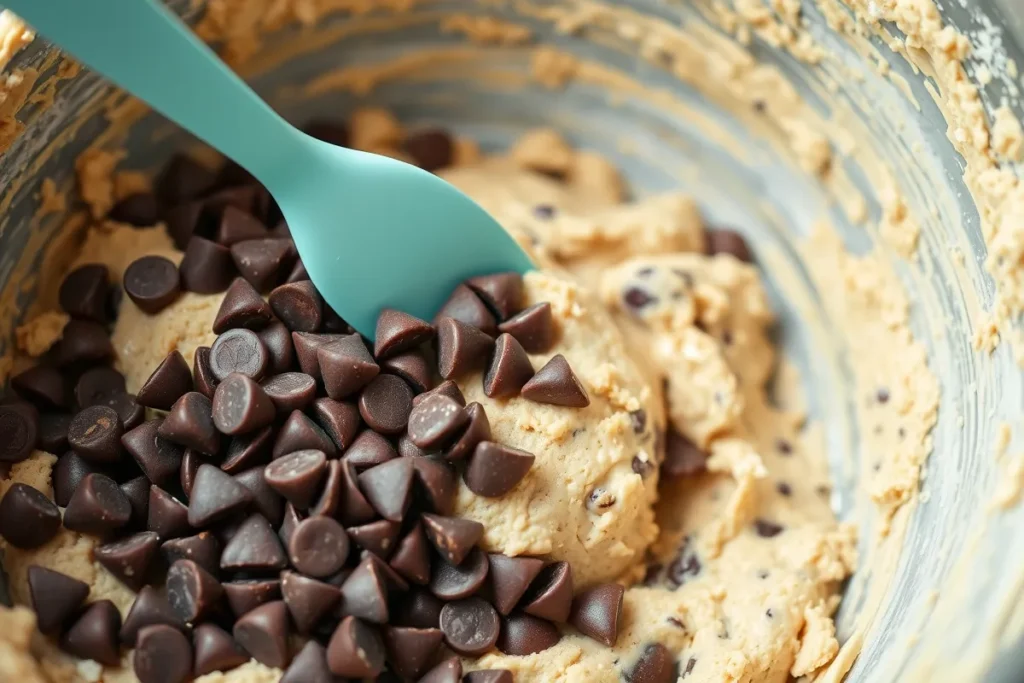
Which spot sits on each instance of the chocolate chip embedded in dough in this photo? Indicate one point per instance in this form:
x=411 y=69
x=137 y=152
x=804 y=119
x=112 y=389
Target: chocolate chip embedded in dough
x=28 y=519
x=550 y=595
x=654 y=665
x=169 y=381
x=522 y=634
x=162 y=655
x=488 y=676
x=556 y=384
x=533 y=327
x=94 y=635
x=494 y=470
x=502 y=292
x=637 y=298
x=83 y=293
x=509 y=368
x=682 y=457
x=728 y=242
x=152 y=283
x=215 y=650
x=767 y=529
x=597 y=612
x=470 y=626
x=129 y=558
x=510 y=577
x=55 y=597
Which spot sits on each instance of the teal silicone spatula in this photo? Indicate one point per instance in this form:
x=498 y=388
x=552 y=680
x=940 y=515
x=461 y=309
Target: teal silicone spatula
x=373 y=232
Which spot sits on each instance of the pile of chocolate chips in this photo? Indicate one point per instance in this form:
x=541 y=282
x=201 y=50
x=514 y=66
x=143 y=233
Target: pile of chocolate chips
x=298 y=484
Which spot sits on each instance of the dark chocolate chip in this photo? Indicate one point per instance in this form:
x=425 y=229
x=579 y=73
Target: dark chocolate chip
x=149 y=608
x=398 y=332
x=465 y=305
x=385 y=404
x=453 y=537
x=94 y=635
x=184 y=178
x=488 y=676
x=413 y=367
x=597 y=612
x=494 y=470
x=169 y=382
x=242 y=306
x=28 y=519
x=419 y=609
x=655 y=665
x=53 y=432
x=129 y=558
x=207 y=267
x=97 y=506
x=190 y=424
x=215 y=495
x=203 y=548
x=82 y=342
x=533 y=328
x=97 y=386
x=502 y=292
x=478 y=431
x=550 y=595
x=435 y=421
x=254 y=546
x=297 y=476
x=190 y=463
x=153 y=283
x=278 y=342
x=411 y=558
x=638 y=298
x=245 y=596
x=239 y=350
x=55 y=597
x=522 y=634
x=95 y=434
x=509 y=368
x=298 y=305
x=140 y=209
x=298 y=272
x=436 y=485
x=431 y=149
x=137 y=492
x=83 y=294
x=19 y=431
x=728 y=242
x=248 y=450
x=318 y=546
x=264 y=262
x=388 y=488
x=453 y=582
x=308 y=600
x=682 y=457
x=378 y=537
x=162 y=655
x=159 y=459
x=290 y=391
x=237 y=225
x=355 y=650
x=263 y=633
x=369 y=449
x=448 y=671
x=202 y=374
x=43 y=386
x=192 y=592
x=510 y=577
x=185 y=220
x=266 y=500
x=556 y=384
x=300 y=433
x=353 y=508
x=470 y=626
x=365 y=593
x=767 y=529
x=446 y=388
x=168 y=516
x=410 y=650
x=240 y=405
x=461 y=348
x=306 y=346
x=341 y=420
x=337 y=492
x=215 y=650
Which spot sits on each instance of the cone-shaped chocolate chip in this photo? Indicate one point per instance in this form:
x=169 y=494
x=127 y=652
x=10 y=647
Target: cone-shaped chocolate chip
x=242 y=307
x=239 y=350
x=308 y=600
x=378 y=537
x=169 y=382
x=522 y=634
x=385 y=404
x=159 y=459
x=207 y=267
x=451 y=582
x=150 y=607
x=466 y=306
x=94 y=635
x=550 y=596
x=254 y=546
x=215 y=495
x=127 y=409
x=419 y=609
x=263 y=262
x=202 y=374
x=446 y=388
x=318 y=546
x=470 y=626
x=97 y=506
x=300 y=433
x=728 y=242
x=391 y=578
x=510 y=577
x=436 y=484
x=407 y=449
x=184 y=220
x=306 y=346
x=141 y=209
x=309 y=666
x=19 y=431
x=431 y=149
x=655 y=665
x=215 y=650
x=248 y=450
x=388 y=488
x=237 y=225
x=397 y=332
x=245 y=596
x=192 y=591
x=297 y=476
x=494 y=470
x=83 y=294
x=162 y=655
x=28 y=519
x=290 y=391
x=502 y=292
x=266 y=500
x=411 y=558
x=129 y=558
x=509 y=369
x=298 y=305
x=557 y=384
x=153 y=283
x=168 y=516
x=346 y=366
x=190 y=424
x=55 y=597
x=365 y=593
x=597 y=612
x=190 y=463
x=533 y=327
x=298 y=273
x=290 y=520
x=278 y=341
x=355 y=650
x=96 y=386
x=137 y=492
x=53 y=432
x=203 y=548
x=95 y=434
x=461 y=348
x=410 y=650
x=241 y=406
x=435 y=421
x=82 y=341
x=479 y=430
x=333 y=496
x=263 y=633
x=448 y=671
x=488 y=676
x=339 y=419
x=184 y=178
x=369 y=449
x=353 y=508
x=682 y=457
x=43 y=386
x=413 y=367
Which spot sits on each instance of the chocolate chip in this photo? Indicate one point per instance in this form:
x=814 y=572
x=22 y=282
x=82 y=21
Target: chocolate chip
x=453 y=537
x=297 y=476
x=153 y=283
x=556 y=384
x=550 y=596
x=446 y=388
x=494 y=470
x=355 y=650
x=448 y=671
x=278 y=341
x=655 y=665
x=318 y=546
x=239 y=350
x=377 y=537
x=306 y=346
x=533 y=328
x=470 y=626
x=298 y=272
x=451 y=582
x=241 y=406
x=388 y=488
x=83 y=293
x=411 y=558
x=43 y=386
x=728 y=242
x=346 y=366
x=98 y=386
x=385 y=404
x=129 y=558
x=53 y=432
x=192 y=592
x=410 y=650
x=339 y=419
x=309 y=666
x=398 y=332
x=168 y=516
x=243 y=307
x=28 y=519
x=162 y=655
x=263 y=633
x=436 y=485
x=784 y=489
x=95 y=434
x=419 y=609
x=308 y=600
x=215 y=650
x=97 y=506
x=638 y=418
x=206 y=267
x=510 y=577
x=254 y=546
x=245 y=596
x=488 y=676
x=248 y=450
x=478 y=431
x=140 y=209
x=502 y=292
x=413 y=367
x=298 y=305
x=767 y=529
x=185 y=220
x=685 y=565
x=237 y=225
x=137 y=492
x=159 y=459
x=202 y=374
x=369 y=449
x=682 y=457
x=190 y=424
x=509 y=369
x=365 y=594
x=462 y=348
x=169 y=382
x=299 y=433
x=266 y=500
x=82 y=342
x=638 y=298
x=55 y=597
x=522 y=634
x=215 y=495
x=203 y=548
x=597 y=612
x=149 y=608
x=94 y=635
x=182 y=179
x=190 y=463
x=264 y=262
x=19 y=431
x=641 y=465
x=431 y=149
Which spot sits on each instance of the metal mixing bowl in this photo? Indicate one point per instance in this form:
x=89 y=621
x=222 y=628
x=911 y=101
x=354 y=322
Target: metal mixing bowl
x=961 y=566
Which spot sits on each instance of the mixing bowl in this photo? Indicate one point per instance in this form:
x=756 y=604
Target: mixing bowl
x=939 y=591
